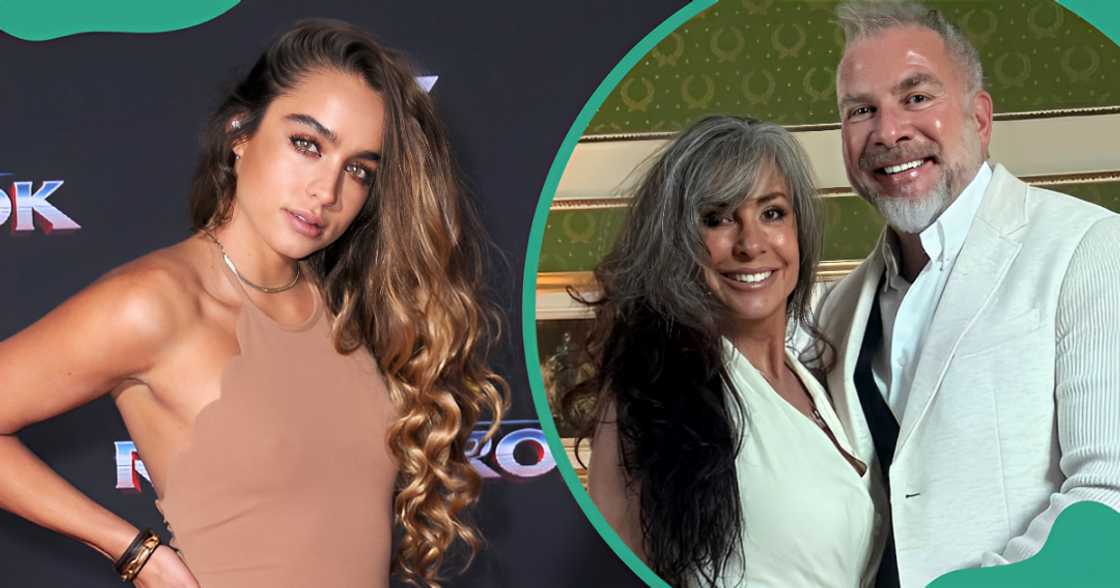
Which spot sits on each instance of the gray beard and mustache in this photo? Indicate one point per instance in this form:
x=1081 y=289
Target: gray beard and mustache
x=914 y=214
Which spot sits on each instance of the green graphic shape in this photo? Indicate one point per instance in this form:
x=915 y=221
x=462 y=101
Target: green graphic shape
x=43 y=20
x=1080 y=551
x=1105 y=16
x=529 y=285
x=1085 y=539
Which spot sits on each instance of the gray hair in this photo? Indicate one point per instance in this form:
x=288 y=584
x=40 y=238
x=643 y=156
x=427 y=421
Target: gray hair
x=659 y=258
x=865 y=18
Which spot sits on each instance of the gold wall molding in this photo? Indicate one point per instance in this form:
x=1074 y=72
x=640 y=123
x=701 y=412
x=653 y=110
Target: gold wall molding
x=665 y=135
x=620 y=201
x=552 y=282
x=833 y=126
x=1075 y=144
x=1085 y=178
x=623 y=201
x=561 y=281
x=833 y=270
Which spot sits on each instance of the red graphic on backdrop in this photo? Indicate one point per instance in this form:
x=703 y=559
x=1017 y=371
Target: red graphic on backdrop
x=513 y=455
x=26 y=207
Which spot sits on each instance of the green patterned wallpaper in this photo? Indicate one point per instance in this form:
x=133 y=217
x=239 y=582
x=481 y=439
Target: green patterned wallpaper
x=575 y=240
x=851 y=227
x=776 y=60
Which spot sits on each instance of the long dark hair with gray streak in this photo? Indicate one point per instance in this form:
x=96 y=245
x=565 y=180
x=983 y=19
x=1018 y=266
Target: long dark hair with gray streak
x=656 y=346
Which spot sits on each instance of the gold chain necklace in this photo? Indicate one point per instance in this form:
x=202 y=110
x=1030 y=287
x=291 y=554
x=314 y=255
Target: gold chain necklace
x=246 y=281
x=814 y=414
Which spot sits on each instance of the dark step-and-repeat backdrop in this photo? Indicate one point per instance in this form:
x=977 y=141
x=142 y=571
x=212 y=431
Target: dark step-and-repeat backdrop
x=98 y=139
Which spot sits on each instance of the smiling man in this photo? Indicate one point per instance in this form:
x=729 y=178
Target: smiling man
x=978 y=342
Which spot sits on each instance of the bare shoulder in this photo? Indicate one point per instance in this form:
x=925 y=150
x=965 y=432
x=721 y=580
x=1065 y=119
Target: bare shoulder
x=133 y=311
x=118 y=327
x=152 y=297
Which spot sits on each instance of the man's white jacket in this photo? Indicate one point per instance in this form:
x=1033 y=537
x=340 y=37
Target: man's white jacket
x=1015 y=408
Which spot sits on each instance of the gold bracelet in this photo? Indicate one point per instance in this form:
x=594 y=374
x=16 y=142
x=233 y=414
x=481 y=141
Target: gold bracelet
x=130 y=569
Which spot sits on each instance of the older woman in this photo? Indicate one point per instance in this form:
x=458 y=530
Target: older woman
x=717 y=455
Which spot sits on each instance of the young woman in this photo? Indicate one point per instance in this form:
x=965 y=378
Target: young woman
x=716 y=455
x=326 y=304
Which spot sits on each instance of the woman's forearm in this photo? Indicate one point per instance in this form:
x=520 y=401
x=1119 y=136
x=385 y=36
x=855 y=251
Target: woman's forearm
x=32 y=490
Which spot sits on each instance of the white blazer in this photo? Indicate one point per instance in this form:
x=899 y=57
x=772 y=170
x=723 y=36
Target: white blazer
x=1015 y=408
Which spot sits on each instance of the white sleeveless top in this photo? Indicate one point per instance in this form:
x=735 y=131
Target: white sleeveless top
x=808 y=516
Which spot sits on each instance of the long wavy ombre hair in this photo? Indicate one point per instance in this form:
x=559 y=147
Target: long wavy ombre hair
x=403 y=281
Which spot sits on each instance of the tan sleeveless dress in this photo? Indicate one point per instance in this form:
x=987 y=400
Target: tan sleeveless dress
x=286 y=479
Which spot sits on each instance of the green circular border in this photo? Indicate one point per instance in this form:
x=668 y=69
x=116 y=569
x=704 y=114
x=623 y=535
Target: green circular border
x=46 y=20
x=1105 y=16
x=532 y=265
